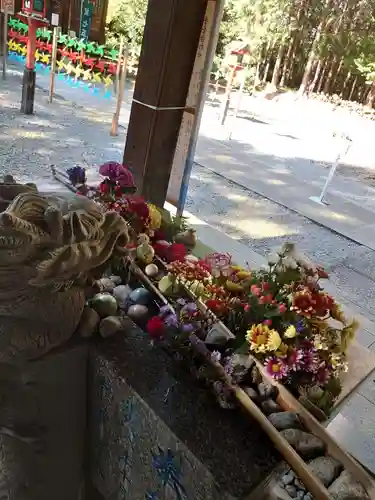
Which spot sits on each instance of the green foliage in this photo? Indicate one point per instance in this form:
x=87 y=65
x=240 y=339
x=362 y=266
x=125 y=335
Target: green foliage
x=128 y=20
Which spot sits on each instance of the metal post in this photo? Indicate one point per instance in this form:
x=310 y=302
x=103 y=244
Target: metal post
x=56 y=34
x=120 y=96
x=5 y=42
x=236 y=111
x=118 y=68
x=219 y=9
x=225 y=106
x=341 y=155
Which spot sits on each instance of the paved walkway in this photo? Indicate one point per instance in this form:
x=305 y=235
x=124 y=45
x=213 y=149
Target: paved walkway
x=65 y=134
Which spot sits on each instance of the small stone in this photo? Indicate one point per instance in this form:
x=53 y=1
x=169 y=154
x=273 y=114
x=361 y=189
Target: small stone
x=140 y=296
x=287 y=479
x=113 y=324
x=104 y=304
x=138 y=313
x=151 y=270
x=291 y=490
x=89 y=321
x=116 y=280
x=270 y=406
x=304 y=443
x=345 y=487
x=216 y=335
x=300 y=495
x=251 y=393
x=299 y=485
x=106 y=285
x=121 y=293
x=308 y=496
x=325 y=468
x=267 y=390
x=285 y=420
x=241 y=364
x=255 y=375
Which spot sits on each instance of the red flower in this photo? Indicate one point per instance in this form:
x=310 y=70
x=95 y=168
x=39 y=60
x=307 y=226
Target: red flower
x=155 y=327
x=282 y=308
x=216 y=305
x=104 y=187
x=176 y=251
x=161 y=249
x=321 y=272
x=158 y=235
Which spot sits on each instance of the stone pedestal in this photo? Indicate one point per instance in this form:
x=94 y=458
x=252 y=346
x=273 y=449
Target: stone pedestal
x=28 y=91
x=157 y=434
x=43 y=426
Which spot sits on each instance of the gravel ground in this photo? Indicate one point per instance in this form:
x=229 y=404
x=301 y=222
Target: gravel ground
x=64 y=135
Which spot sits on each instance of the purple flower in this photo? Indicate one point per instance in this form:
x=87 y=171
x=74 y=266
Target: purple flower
x=310 y=360
x=322 y=373
x=187 y=328
x=111 y=169
x=189 y=308
x=300 y=326
x=215 y=356
x=171 y=320
x=164 y=310
x=77 y=175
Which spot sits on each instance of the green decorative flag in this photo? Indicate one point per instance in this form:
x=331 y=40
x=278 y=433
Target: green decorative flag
x=86 y=19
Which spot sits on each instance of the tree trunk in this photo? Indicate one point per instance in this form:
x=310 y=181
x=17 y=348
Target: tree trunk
x=313 y=51
x=371 y=96
x=344 y=85
x=321 y=78
x=287 y=62
x=353 y=88
x=268 y=62
x=330 y=76
x=277 y=67
x=318 y=70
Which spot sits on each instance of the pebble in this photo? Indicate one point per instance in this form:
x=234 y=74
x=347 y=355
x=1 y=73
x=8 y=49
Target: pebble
x=216 y=335
x=300 y=495
x=116 y=280
x=267 y=390
x=285 y=420
x=325 y=468
x=304 y=443
x=89 y=321
x=106 y=285
x=270 y=406
x=113 y=324
x=104 y=304
x=121 y=293
x=345 y=487
x=138 y=313
x=251 y=393
x=287 y=479
x=241 y=364
x=308 y=496
x=140 y=296
x=291 y=490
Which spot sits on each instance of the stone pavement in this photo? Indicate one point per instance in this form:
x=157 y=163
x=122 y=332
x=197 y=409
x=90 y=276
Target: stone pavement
x=65 y=134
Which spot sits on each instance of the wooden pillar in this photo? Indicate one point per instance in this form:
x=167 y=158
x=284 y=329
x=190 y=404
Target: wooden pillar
x=169 y=48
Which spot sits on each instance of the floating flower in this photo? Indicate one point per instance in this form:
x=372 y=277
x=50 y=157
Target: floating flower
x=295 y=359
x=276 y=367
x=274 y=340
x=77 y=175
x=290 y=332
x=155 y=217
x=215 y=356
x=262 y=339
x=155 y=327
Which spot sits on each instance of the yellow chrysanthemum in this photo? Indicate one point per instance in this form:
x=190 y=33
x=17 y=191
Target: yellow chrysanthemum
x=290 y=332
x=274 y=340
x=155 y=217
x=262 y=339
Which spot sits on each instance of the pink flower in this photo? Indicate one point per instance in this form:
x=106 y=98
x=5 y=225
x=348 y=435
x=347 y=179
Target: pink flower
x=282 y=308
x=255 y=290
x=267 y=322
x=276 y=367
x=262 y=300
x=295 y=359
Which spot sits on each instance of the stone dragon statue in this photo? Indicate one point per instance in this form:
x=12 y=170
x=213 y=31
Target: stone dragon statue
x=51 y=250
